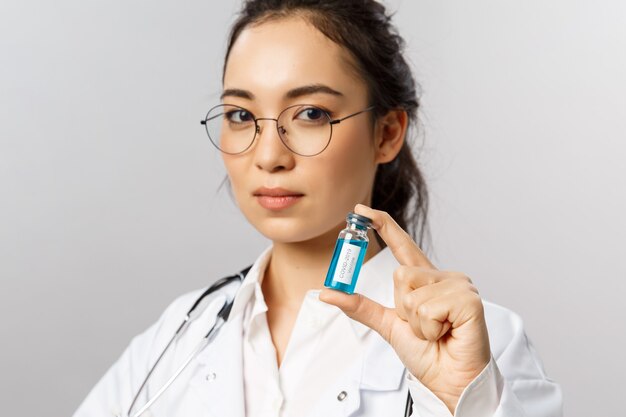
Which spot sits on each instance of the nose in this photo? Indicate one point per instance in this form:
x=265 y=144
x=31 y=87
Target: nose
x=270 y=154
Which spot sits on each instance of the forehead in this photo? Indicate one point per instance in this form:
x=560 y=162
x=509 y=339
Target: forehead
x=278 y=55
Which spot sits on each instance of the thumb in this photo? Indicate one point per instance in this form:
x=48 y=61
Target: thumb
x=362 y=309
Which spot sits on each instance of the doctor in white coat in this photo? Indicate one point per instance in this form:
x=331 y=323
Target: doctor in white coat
x=316 y=105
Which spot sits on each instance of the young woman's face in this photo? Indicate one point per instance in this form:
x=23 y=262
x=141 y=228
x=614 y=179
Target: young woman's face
x=267 y=64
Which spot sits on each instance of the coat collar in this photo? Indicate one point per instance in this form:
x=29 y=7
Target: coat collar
x=217 y=380
x=375 y=281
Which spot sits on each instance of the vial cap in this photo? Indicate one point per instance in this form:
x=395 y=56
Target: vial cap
x=358 y=220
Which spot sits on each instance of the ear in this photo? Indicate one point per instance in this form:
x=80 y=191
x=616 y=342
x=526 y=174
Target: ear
x=390 y=132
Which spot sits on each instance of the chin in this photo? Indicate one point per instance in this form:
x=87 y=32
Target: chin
x=285 y=229
x=291 y=229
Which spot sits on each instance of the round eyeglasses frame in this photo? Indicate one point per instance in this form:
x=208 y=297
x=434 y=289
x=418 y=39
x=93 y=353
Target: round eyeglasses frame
x=257 y=130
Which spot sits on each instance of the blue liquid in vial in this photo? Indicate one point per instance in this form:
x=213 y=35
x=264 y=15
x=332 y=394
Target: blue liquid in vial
x=343 y=275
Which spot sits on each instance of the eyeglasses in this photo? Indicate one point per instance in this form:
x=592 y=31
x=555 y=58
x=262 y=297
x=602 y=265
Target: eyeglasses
x=304 y=129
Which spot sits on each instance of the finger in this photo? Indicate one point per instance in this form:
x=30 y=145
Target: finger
x=401 y=244
x=361 y=309
x=455 y=309
x=413 y=301
x=401 y=287
x=407 y=279
x=433 y=330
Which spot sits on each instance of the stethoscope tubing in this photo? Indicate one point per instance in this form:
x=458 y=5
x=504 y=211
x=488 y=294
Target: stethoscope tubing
x=203 y=343
x=222 y=317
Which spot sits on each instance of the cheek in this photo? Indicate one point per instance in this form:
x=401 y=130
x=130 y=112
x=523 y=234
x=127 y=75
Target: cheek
x=334 y=181
x=347 y=166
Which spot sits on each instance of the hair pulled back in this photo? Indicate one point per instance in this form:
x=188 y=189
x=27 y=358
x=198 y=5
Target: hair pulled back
x=364 y=28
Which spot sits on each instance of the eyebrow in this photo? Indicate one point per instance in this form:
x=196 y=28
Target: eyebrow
x=236 y=92
x=312 y=89
x=293 y=93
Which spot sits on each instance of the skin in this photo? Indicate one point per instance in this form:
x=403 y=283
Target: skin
x=437 y=326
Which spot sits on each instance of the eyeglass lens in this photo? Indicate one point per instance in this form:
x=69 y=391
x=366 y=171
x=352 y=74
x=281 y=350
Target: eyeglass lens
x=304 y=129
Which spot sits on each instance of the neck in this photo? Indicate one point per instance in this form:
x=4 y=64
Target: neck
x=297 y=267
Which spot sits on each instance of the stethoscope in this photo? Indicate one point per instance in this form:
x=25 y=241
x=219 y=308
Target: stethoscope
x=192 y=314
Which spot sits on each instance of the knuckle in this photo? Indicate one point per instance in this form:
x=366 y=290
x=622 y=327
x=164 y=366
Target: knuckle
x=472 y=288
x=475 y=300
x=465 y=286
x=408 y=302
x=459 y=276
x=400 y=275
x=423 y=310
x=430 y=277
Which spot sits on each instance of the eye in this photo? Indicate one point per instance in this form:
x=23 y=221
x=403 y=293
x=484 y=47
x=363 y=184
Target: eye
x=239 y=116
x=312 y=114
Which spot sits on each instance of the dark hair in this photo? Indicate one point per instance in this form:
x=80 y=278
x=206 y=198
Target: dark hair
x=364 y=28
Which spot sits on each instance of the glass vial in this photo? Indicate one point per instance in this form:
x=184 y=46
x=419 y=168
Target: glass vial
x=349 y=254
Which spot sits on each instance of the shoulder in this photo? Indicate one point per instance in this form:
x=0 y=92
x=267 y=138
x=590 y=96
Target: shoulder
x=178 y=309
x=154 y=337
x=198 y=299
x=510 y=346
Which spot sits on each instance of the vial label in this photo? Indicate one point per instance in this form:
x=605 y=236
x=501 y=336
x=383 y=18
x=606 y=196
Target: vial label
x=347 y=261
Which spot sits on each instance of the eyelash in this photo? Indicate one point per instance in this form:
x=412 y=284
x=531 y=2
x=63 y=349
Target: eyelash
x=330 y=112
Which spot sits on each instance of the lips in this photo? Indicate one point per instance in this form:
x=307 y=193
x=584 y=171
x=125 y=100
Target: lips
x=276 y=198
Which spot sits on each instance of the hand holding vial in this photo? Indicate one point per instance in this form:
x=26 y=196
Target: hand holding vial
x=437 y=327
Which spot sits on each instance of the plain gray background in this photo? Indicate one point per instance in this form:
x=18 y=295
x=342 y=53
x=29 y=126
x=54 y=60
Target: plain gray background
x=109 y=186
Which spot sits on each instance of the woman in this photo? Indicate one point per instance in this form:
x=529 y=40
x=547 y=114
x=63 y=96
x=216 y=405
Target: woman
x=316 y=104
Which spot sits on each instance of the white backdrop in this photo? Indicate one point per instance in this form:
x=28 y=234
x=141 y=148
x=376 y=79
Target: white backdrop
x=109 y=189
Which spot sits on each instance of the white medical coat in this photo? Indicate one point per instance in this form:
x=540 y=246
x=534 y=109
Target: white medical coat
x=513 y=384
